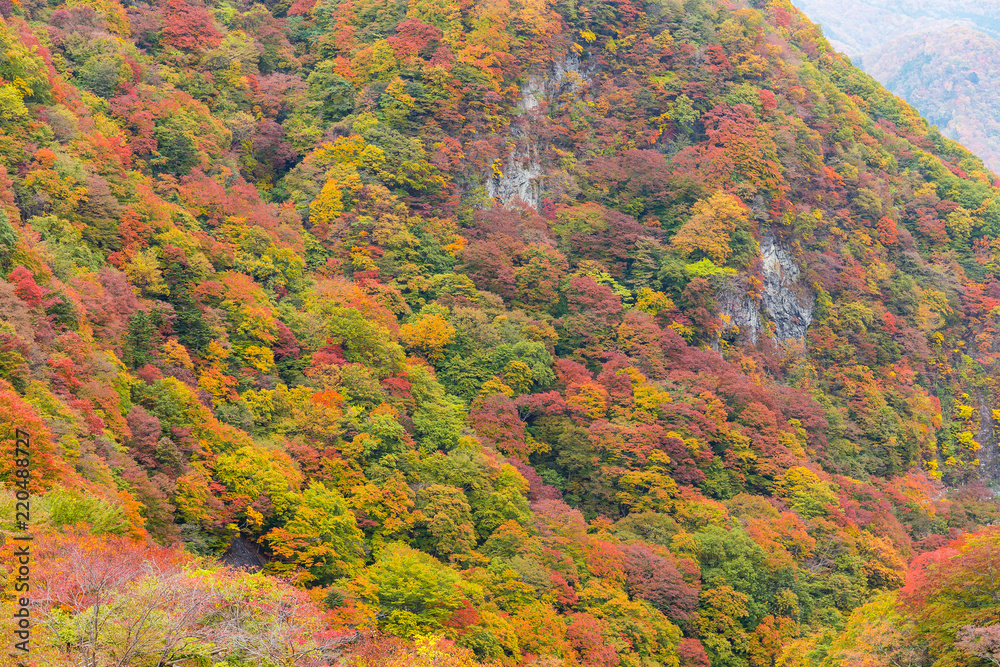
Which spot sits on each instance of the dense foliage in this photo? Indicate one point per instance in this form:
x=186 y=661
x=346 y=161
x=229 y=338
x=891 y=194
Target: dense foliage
x=462 y=315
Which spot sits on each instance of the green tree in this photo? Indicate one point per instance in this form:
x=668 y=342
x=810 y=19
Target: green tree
x=322 y=538
x=720 y=624
x=806 y=493
x=731 y=558
x=448 y=520
x=8 y=241
x=415 y=592
x=261 y=485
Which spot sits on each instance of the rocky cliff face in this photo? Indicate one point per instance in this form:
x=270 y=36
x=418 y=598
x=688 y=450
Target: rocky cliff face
x=520 y=175
x=519 y=179
x=739 y=310
x=785 y=300
x=989 y=452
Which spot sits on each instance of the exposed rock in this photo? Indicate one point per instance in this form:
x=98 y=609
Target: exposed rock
x=520 y=175
x=243 y=556
x=519 y=179
x=565 y=74
x=738 y=309
x=786 y=301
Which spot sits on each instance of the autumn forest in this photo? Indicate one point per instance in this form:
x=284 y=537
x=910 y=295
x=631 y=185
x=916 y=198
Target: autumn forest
x=448 y=333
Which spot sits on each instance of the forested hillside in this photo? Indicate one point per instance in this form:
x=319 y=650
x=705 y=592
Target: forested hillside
x=589 y=333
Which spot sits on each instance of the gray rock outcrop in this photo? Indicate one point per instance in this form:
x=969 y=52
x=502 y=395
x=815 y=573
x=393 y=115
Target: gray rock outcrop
x=520 y=176
x=787 y=301
x=784 y=299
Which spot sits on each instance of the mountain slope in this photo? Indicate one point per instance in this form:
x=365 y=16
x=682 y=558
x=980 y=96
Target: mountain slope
x=583 y=333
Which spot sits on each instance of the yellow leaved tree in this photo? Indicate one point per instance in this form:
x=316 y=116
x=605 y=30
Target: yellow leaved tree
x=711 y=228
x=428 y=335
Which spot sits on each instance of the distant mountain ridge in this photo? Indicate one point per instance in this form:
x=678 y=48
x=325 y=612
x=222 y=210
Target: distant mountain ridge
x=856 y=27
x=942 y=57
